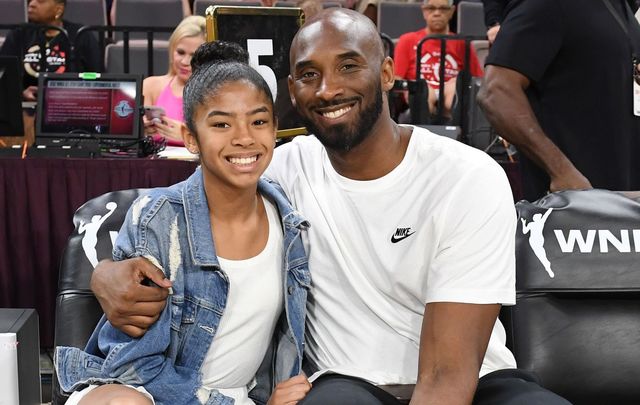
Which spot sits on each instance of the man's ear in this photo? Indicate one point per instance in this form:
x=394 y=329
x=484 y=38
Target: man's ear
x=387 y=74
x=189 y=139
x=290 y=84
x=59 y=10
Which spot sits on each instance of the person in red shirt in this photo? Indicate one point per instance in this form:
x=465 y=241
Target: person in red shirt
x=437 y=14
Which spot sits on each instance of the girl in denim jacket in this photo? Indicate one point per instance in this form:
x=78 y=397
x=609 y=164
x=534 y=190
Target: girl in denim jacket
x=230 y=243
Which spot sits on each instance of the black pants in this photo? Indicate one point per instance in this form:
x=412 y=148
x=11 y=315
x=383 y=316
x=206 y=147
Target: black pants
x=503 y=387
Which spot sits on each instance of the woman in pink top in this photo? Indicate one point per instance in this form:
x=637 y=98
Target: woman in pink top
x=166 y=91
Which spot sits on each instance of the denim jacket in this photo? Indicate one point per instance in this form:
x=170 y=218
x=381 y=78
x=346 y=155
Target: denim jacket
x=171 y=227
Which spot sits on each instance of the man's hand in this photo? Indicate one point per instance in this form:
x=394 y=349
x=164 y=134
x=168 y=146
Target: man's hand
x=30 y=93
x=291 y=391
x=573 y=180
x=129 y=305
x=492 y=33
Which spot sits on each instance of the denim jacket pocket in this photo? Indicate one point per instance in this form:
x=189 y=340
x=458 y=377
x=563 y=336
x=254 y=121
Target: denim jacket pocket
x=302 y=275
x=188 y=314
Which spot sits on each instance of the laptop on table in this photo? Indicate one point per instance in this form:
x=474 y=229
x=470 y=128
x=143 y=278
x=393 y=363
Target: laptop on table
x=88 y=115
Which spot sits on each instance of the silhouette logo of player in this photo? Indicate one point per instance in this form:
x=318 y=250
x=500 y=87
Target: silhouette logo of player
x=536 y=238
x=90 y=230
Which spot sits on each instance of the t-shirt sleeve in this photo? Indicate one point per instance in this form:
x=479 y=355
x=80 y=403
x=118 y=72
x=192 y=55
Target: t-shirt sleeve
x=401 y=56
x=493 y=11
x=530 y=37
x=475 y=259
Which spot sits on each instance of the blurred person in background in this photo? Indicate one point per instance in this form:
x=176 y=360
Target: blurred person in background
x=437 y=15
x=559 y=85
x=166 y=91
x=64 y=53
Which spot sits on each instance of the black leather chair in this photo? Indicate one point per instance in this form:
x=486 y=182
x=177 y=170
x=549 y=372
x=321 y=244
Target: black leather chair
x=579 y=330
x=77 y=311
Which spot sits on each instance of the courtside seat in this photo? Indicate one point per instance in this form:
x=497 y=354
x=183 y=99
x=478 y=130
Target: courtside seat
x=97 y=223
x=138 y=62
x=148 y=13
x=13 y=12
x=86 y=12
x=395 y=18
x=577 y=319
x=470 y=18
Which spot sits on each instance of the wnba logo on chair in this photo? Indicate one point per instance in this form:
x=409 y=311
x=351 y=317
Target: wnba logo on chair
x=563 y=242
x=90 y=230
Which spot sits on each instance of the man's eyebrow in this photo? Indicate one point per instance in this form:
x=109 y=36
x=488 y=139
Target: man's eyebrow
x=345 y=55
x=349 y=54
x=302 y=64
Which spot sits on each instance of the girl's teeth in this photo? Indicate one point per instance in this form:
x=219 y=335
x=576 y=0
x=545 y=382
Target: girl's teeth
x=243 y=160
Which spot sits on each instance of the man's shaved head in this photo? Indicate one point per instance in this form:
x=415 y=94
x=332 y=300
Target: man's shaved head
x=339 y=74
x=340 y=22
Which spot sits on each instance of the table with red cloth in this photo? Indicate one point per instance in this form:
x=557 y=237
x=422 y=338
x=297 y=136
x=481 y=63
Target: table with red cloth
x=38 y=197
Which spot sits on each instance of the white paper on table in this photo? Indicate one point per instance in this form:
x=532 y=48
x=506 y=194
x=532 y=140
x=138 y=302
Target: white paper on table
x=8 y=369
x=177 y=152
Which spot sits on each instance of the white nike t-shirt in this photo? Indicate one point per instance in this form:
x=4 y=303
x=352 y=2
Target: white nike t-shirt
x=439 y=227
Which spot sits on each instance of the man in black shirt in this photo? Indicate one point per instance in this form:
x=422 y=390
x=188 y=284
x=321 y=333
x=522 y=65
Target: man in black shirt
x=64 y=53
x=559 y=86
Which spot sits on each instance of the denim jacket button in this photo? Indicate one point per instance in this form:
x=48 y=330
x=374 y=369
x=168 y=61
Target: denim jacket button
x=290 y=290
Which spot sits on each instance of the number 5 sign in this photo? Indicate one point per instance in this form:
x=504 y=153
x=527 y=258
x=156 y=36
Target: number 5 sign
x=266 y=33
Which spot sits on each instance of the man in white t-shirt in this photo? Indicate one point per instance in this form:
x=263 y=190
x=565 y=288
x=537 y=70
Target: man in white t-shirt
x=411 y=242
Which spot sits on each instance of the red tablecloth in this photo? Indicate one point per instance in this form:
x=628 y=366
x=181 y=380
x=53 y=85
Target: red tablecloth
x=38 y=197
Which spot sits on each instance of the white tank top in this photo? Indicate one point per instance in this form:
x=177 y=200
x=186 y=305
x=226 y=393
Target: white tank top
x=254 y=304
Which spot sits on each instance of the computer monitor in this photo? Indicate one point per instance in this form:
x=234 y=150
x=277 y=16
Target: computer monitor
x=10 y=97
x=89 y=105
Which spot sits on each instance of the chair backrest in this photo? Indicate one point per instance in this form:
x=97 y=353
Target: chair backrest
x=470 y=20
x=13 y=12
x=97 y=223
x=86 y=12
x=481 y=47
x=395 y=19
x=577 y=316
x=200 y=6
x=138 y=62
x=148 y=13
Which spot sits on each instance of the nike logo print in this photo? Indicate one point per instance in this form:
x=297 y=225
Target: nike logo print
x=401 y=234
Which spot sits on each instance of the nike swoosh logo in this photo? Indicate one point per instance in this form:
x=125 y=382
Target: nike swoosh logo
x=396 y=240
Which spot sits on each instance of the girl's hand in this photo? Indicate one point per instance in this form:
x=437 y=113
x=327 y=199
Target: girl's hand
x=290 y=391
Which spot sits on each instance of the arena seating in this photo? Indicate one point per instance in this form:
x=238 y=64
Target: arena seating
x=470 y=19
x=86 y=12
x=395 y=19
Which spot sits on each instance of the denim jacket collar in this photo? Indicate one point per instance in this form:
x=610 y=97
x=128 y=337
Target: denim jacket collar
x=196 y=207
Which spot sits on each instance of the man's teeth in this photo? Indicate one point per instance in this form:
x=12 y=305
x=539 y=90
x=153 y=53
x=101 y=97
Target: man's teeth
x=337 y=113
x=243 y=160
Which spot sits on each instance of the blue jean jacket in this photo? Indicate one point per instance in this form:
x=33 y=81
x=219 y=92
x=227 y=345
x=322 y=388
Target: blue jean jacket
x=171 y=227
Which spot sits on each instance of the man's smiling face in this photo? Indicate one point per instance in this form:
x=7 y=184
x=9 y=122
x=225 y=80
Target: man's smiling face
x=335 y=80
